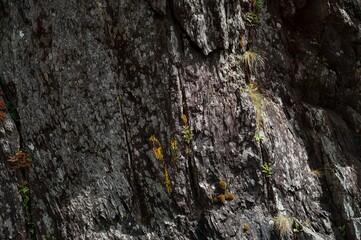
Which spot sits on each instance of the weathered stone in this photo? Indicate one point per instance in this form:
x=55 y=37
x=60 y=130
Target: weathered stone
x=133 y=111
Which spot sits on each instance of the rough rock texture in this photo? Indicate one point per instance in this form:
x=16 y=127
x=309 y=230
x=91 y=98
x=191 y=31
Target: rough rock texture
x=133 y=111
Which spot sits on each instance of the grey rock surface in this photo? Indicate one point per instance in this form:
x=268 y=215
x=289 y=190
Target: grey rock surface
x=133 y=111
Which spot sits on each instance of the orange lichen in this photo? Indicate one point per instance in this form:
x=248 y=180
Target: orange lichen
x=167 y=182
x=221 y=198
x=184 y=119
x=20 y=160
x=158 y=153
x=157 y=148
x=2 y=115
x=242 y=44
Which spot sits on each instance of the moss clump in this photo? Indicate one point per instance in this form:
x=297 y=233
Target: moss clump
x=246 y=228
x=221 y=198
x=222 y=185
x=229 y=196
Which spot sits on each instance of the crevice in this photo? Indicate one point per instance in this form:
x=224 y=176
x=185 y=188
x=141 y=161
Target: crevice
x=9 y=96
x=135 y=176
x=192 y=169
x=270 y=195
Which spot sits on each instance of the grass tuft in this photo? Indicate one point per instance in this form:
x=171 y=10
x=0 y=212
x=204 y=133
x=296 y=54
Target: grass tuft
x=283 y=225
x=253 y=62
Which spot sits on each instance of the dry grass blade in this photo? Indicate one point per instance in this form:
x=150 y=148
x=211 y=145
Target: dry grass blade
x=257 y=101
x=316 y=173
x=253 y=62
x=283 y=225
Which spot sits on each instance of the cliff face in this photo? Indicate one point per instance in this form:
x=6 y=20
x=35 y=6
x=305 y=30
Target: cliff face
x=134 y=111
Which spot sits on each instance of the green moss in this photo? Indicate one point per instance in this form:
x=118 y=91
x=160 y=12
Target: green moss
x=229 y=196
x=257 y=3
x=222 y=185
x=252 y=19
x=221 y=198
x=246 y=228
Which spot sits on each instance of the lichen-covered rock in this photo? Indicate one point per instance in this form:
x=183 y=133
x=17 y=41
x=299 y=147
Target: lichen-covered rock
x=133 y=111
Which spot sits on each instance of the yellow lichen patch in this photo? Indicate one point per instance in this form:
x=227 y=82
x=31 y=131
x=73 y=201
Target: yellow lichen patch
x=154 y=141
x=174 y=144
x=184 y=119
x=222 y=185
x=167 y=182
x=246 y=228
x=158 y=153
x=229 y=196
x=157 y=148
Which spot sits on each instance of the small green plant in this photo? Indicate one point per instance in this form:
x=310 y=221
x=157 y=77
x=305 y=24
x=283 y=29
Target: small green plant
x=258 y=137
x=297 y=227
x=253 y=62
x=257 y=3
x=266 y=169
x=187 y=133
x=252 y=19
x=322 y=60
x=314 y=42
x=24 y=191
x=342 y=229
x=283 y=225
x=121 y=99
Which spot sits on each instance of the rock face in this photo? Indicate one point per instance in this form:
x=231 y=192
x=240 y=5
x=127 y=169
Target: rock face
x=134 y=111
